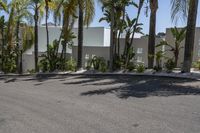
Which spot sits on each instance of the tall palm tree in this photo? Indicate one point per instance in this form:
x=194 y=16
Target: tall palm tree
x=66 y=12
x=46 y=21
x=188 y=9
x=190 y=35
x=109 y=5
x=86 y=14
x=152 y=32
x=3 y=7
x=49 y=5
x=37 y=6
x=22 y=15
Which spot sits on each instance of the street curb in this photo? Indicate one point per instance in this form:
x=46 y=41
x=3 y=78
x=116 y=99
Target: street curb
x=43 y=75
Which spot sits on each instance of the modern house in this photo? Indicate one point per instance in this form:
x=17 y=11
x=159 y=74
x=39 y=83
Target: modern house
x=96 y=42
x=93 y=37
x=140 y=46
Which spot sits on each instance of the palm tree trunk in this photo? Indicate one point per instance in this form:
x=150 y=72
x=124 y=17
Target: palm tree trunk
x=80 y=36
x=2 y=47
x=190 y=35
x=152 y=34
x=176 y=54
x=36 y=39
x=46 y=21
x=111 y=40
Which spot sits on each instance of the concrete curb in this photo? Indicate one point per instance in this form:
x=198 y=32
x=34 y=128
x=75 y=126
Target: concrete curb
x=40 y=75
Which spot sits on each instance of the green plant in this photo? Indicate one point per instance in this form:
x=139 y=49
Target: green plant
x=131 y=66
x=32 y=71
x=196 y=64
x=71 y=65
x=170 y=65
x=9 y=60
x=140 y=68
x=44 y=65
x=159 y=55
x=99 y=63
x=179 y=36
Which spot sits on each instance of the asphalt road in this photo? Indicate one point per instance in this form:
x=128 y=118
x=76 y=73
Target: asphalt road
x=82 y=104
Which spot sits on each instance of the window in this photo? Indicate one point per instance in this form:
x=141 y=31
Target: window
x=139 y=50
x=139 y=59
x=87 y=56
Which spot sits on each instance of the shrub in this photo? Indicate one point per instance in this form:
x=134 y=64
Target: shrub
x=71 y=65
x=196 y=64
x=157 y=68
x=170 y=65
x=98 y=63
x=44 y=65
x=131 y=66
x=9 y=61
x=140 y=68
x=32 y=71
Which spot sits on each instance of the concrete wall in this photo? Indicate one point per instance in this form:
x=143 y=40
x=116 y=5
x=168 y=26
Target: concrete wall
x=138 y=43
x=89 y=52
x=93 y=36
x=170 y=40
x=29 y=60
x=54 y=33
x=141 y=43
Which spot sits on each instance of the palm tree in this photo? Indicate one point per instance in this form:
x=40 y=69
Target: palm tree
x=179 y=36
x=188 y=8
x=152 y=32
x=86 y=14
x=37 y=7
x=190 y=35
x=66 y=12
x=22 y=15
x=109 y=5
x=46 y=21
x=49 y=4
x=2 y=27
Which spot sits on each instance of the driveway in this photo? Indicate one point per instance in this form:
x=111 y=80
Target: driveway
x=104 y=104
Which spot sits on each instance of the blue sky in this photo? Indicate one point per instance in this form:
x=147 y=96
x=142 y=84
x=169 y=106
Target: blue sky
x=163 y=17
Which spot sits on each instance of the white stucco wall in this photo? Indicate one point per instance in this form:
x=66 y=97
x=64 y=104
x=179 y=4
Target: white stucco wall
x=106 y=37
x=54 y=33
x=92 y=36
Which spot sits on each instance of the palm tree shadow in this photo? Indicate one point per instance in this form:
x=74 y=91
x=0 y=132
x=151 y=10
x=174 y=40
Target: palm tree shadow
x=142 y=87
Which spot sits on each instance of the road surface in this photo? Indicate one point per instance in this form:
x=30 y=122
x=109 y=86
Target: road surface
x=107 y=104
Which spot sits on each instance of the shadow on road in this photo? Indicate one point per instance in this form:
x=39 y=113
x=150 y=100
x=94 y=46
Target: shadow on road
x=141 y=87
x=123 y=86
